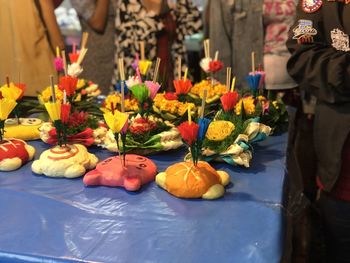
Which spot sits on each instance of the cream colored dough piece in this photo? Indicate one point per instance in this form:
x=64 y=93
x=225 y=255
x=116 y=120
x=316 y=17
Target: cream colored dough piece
x=69 y=161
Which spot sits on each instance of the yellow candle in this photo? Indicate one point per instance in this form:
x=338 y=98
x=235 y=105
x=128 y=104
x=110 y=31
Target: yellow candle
x=189 y=114
x=57 y=52
x=233 y=84
x=185 y=76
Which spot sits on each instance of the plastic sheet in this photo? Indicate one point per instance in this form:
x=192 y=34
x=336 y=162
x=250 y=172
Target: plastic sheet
x=60 y=220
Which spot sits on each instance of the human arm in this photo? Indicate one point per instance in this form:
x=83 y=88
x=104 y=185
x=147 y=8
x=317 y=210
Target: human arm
x=315 y=64
x=95 y=12
x=48 y=14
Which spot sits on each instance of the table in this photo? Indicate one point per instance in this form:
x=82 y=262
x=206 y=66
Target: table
x=60 y=220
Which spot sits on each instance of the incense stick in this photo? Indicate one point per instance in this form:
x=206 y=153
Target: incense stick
x=228 y=78
x=216 y=55
x=179 y=68
x=142 y=50
x=253 y=62
x=84 y=40
x=155 y=75
x=203 y=102
x=64 y=62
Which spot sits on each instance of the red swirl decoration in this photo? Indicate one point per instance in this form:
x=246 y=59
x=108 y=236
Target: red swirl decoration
x=64 y=152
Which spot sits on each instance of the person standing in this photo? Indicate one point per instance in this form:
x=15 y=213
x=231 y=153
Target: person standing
x=97 y=17
x=319 y=43
x=162 y=25
x=29 y=37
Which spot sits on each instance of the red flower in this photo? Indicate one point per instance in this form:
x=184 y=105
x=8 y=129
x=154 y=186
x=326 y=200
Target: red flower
x=142 y=125
x=170 y=96
x=69 y=84
x=215 y=65
x=65 y=112
x=85 y=137
x=229 y=100
x=189 y=132
x=77 y=118
x=21 y=86
x=182 y=86
x=73 y=57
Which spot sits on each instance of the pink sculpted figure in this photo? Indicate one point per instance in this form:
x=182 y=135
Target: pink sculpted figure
x=138 y=170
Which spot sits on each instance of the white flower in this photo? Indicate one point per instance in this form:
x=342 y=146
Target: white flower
x=132 y=81
x=205 y=64
x=74 y=70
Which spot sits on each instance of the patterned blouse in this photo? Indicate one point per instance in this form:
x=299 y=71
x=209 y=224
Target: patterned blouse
x=134 y=24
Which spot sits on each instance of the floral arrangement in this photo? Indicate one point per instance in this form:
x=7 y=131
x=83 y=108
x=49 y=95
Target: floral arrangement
x=145 y=132
x=230 y=134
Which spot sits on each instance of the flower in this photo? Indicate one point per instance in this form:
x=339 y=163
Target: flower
x=140 y=92
x=249 y=105
x=6 y=106
x=58 y=64
x=189 y=132
x=144 y=66
x=215 y=65
x=182 y=86
x=74 y=70
x=69 y=84
x=203 y=127
x=77 y=118
x=81 y=83
x=170 y=96
x=118 y=87
x=219 y=130
x=116 y=120
x=45 y=95
x=132 y=81
x=65 y=112
x=153 y=88
x=85 y=137
x=172 y=106
x=73 y=57
x=22 y=87
x=253 y=81
x=204 y=64
x=142 y=125
x=265 y=103
x=54 y=110
x=11 y=92
x=229 y=100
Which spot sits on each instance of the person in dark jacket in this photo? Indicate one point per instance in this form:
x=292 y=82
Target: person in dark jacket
x=319 y=43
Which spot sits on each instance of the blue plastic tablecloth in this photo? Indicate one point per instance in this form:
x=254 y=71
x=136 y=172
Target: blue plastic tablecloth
x=58 y=220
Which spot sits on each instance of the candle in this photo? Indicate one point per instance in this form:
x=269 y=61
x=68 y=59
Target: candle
x=64 y=96
x=52 y=89
x=189 y=115
x=57 y=52
x=233 y=84
x=185 y=76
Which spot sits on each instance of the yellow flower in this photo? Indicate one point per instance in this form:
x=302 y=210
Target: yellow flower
x=11 y=92
x=144 y=66
x=219 y=130
x=116 y=121
x=6 y=106
x=54 y=110
x=130 y=104
x=81 y=83
x=46 y=95
x=275 y=104
x=249 y=106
